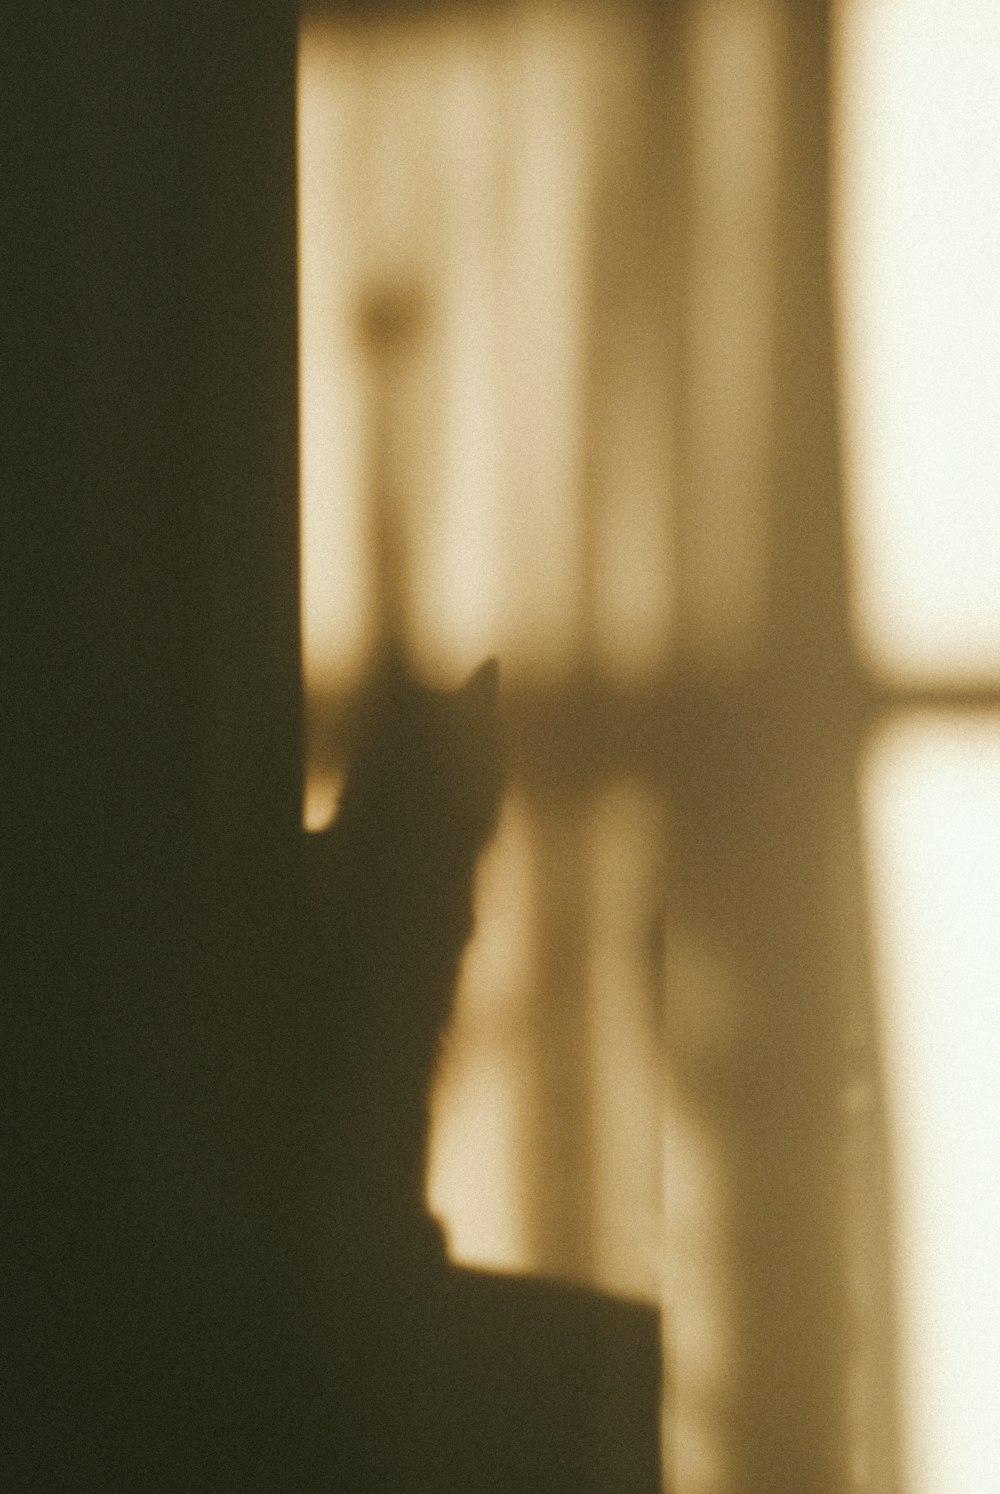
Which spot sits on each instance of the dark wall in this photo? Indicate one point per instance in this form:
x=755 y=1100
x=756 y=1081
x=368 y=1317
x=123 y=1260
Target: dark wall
x=149 y=697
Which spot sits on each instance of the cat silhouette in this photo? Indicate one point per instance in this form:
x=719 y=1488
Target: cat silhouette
x=425 y=1375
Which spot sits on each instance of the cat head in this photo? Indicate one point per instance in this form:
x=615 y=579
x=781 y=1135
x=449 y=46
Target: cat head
x=426 y=763
x=420 y=801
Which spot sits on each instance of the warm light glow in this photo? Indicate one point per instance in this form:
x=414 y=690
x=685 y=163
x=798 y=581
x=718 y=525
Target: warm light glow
x=336 y=576
x=735 y=48
x=477 y=1152
x=630 y=435
x=322 y=795
x=918 y=225
x=484 y=207
x=698 y=1356
x=932 y=797
x=479 y=206
x=700 y=999
x=624 y=932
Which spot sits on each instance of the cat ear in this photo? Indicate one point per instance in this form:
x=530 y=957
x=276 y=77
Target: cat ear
x=484 y=684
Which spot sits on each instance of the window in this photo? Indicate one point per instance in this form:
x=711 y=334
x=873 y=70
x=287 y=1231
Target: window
x=920 y=236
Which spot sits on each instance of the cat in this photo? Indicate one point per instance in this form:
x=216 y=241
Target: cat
x=431 y=1378
x=390 y=896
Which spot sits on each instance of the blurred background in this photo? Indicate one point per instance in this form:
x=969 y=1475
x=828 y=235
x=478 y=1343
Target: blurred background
x=654 y=348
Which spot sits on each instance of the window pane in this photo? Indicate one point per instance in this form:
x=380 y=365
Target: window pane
x=932 y=796
x=919 y=259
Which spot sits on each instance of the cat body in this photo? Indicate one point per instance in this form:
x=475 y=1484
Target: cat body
x=390 y=902
x=431 y=1378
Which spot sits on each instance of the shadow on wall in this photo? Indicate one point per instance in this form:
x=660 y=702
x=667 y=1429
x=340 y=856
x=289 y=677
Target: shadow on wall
x=196 y=1307
x=429 y=1376
x=598 y=436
